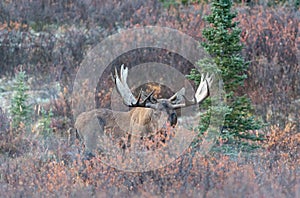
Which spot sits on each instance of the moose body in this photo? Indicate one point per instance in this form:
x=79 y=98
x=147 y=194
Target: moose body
x=147 y=116
x=138 y=122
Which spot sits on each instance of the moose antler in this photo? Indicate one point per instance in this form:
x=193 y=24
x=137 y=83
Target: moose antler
x=201 y=94
x=174 y=102
x=124 y=90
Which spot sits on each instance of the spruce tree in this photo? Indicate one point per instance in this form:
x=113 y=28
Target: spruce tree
x=19 y=108
x=222 y=42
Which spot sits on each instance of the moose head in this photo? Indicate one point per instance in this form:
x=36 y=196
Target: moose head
x=151 y=106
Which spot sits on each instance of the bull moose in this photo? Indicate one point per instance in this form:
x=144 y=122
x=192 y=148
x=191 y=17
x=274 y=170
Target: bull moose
x=147 y=115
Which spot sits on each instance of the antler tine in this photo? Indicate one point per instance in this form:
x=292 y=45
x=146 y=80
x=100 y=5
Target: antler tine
x=186 y=103
x=150 y=95
x=179 y=93
x=122 y=87
x=144 y=102
x=203 y=89
x=124 y=74
x=209 y=79
x=140 y=95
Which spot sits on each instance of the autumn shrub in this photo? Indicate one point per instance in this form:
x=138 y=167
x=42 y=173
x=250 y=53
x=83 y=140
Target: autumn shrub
x=271 y=44
x=13 y=141
x=33 y=167
x=270 y=3
x=284 y=142
x=4 y=128
x=190 y=175
x=4 y=124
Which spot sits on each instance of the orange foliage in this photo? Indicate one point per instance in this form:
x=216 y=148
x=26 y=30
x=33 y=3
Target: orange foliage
x=12 y=26
x=285 y=141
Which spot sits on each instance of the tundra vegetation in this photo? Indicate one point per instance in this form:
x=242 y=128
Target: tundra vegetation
x=42 y=44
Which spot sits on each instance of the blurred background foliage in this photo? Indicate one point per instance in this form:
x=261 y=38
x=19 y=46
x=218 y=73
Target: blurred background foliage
x=48 y=39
